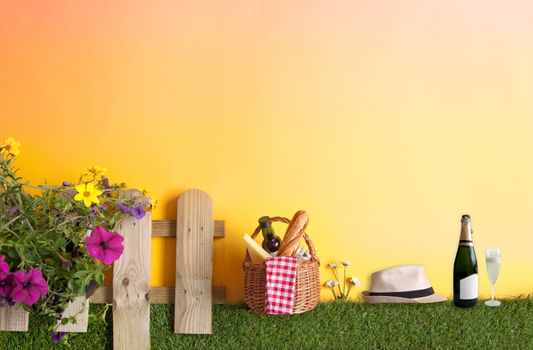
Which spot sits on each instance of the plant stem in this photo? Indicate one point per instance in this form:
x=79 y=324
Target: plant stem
x=19 y=198
x=339 y=285
x=334 y=295
x=344 y=282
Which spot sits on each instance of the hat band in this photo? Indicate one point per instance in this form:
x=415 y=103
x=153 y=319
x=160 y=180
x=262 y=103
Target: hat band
x=409 y=294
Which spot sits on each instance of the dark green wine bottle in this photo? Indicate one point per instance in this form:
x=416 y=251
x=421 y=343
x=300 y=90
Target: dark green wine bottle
x=465 y=278
x=271 y=242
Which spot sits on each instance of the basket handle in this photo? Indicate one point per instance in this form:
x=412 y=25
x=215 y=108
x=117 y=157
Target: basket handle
x=306 y=237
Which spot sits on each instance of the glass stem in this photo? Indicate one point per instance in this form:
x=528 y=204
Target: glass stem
x=492 y=285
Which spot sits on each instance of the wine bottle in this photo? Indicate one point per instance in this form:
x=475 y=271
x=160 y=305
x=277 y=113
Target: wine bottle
x=271 y=242
x=465 y=278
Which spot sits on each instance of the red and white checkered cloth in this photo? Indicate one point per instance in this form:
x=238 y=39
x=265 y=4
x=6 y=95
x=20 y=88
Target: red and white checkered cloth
x=280 y=285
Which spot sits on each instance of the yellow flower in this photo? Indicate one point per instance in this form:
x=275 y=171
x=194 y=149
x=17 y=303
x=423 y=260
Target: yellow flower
x=88 y=194
x=96 y=170
x=151 y=206
x=12 y=147
x=144 y=191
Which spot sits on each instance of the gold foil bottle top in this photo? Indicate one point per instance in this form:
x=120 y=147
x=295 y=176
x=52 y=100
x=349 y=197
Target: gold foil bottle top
x=466 y=231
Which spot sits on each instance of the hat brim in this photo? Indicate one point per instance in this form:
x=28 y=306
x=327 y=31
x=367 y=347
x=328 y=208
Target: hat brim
x=379 y=299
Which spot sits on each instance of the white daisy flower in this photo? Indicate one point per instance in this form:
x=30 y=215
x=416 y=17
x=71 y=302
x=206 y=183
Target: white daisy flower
x=355 y=281
x=333 y=265
x=346 y=263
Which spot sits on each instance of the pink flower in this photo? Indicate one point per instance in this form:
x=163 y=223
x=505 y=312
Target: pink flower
x=104 y=246
x=6 y=286
x=29 y=287
x=6 y=280
x=4 y=268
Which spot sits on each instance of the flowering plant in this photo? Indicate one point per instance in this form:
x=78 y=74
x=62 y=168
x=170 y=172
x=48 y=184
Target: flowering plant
x=56 y=241
x=341 y=292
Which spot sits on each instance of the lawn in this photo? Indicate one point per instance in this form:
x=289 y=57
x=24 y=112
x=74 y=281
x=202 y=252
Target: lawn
x=329 y=326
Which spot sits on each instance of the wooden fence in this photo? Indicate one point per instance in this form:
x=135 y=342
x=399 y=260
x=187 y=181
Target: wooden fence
x=131 y=294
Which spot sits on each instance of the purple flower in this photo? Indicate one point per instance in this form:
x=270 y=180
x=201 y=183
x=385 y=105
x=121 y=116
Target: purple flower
x=93 y=211
x=14 y=211
x=4 y=268
x=66 y=184
x=123 y=208
x=96 y=209
x=104 y=246
x=58 y=336
x=138 y=212
x=29 y=287
x=105 y=183
x=6 y=301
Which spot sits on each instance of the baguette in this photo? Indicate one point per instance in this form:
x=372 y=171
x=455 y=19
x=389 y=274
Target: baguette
x=294 y=233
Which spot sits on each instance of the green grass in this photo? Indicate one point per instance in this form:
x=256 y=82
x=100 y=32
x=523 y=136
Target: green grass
x=329 y=326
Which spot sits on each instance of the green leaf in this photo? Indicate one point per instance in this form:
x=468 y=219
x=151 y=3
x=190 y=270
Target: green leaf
x=12 y=253
x=80 y=274
x=99 y=278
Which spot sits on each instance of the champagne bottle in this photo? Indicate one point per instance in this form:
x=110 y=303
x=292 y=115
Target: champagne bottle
x=465 y=278
x=271 y=242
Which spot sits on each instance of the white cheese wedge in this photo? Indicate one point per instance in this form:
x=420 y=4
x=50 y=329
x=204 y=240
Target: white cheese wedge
x=257 y=253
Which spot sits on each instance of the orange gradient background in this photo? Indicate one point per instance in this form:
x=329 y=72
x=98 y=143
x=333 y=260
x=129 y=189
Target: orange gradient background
x=384 y=120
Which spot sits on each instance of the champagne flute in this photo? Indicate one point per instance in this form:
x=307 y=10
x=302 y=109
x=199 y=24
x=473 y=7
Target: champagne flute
x=493 y=257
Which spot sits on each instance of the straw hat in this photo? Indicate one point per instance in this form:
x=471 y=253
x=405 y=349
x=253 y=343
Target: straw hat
x=401 y=284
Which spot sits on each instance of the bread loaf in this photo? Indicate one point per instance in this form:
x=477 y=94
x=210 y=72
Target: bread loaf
x=294 y=233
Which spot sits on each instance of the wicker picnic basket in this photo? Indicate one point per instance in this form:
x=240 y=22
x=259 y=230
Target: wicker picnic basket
x=307 y=291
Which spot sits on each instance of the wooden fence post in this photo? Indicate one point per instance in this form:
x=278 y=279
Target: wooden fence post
x=131 y=284
x=194 y=263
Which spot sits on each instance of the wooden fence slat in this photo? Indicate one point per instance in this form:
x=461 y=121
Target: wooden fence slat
x=194 y=262
x=219 y=230
x=158 y=295
x=80 y=308
x=13 y=318
x=131 y=285
x=167 y=228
